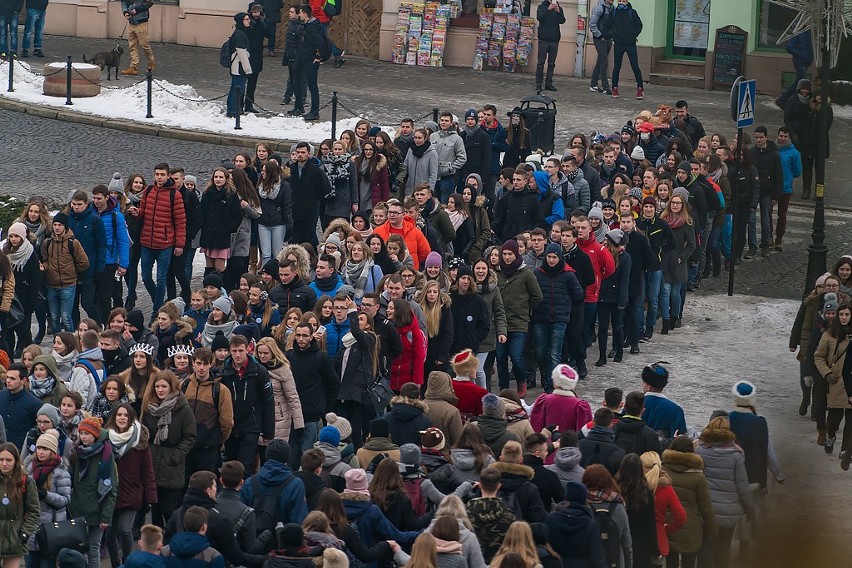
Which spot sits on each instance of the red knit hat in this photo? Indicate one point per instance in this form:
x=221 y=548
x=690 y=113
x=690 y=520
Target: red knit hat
x=92 y=425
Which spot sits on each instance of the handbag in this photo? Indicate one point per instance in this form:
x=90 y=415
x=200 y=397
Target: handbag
x=15 y=316
x=70 y=533
x=378 y=395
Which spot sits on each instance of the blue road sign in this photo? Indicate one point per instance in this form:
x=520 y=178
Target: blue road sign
x=745 y=103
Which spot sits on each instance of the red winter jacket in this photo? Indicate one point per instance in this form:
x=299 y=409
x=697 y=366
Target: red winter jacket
x=317 y=11
x=470 y=398
x=161 y=227
x=667 y=506
x=408 y=367
x=602 y=263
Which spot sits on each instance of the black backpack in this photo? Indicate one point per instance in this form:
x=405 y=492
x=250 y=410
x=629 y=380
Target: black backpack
x=609 y=533
x=513 y=504
x=226 y=55
x=266 y=506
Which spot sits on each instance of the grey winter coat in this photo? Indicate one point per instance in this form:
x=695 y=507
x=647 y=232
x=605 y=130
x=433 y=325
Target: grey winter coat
x=52 y=508
x=675 y=262
x=451 y=153
x=724 y=468
x=490 y=292
x=581 y=188
x=596 y=18
x=241 y=240
x=567 y=466
x=465 y=464
x=471 y=551
x=421 y=170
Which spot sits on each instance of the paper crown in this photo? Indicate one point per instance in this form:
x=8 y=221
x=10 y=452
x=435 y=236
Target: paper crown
x=145 y=348
x=185 y=349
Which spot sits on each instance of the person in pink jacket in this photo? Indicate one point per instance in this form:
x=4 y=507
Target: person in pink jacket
x=561 y=407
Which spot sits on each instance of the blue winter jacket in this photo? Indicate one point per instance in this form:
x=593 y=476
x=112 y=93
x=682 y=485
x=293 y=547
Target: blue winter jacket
x=372 y=524
x=18 y=412
x=117 y=238
x=142 y=559
x=559 y=291
x=791 y=163
x=291 y=504
x=191 y=550
x=661 y=413
x=498 y=144
x=556 y=211
x=801 y=47
x=88 y=228
x=313 y=286
x=334 y=336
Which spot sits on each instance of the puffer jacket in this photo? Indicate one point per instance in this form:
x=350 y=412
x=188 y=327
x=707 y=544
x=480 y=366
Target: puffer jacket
x=408 y=367
x=465 y=464
x=136 y=483
x=407 y=418
x=686 y=470
x=169 y=456
x=88 y=227
x=220 y=216
x=517 y=479
x=830 y=357
x=253 y=398
x=442 y=406
x=421 y=170
x=358 y=373
x=288 y=407
x=162 y=226
x=276 y=208
x=213 y=425
x=61 y=263
x=117 y=238
x=58 y=494
x=724 y=468
x=452 y=155
x=560 y=290
x=567 y=466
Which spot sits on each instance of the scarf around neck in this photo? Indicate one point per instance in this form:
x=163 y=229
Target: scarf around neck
x=123 y=441
x=674 y=222
x=163 y=413
x=418 y=151
x=270 y=193
x=87 y=454
x=328 y=283
x=18 y=258
x=40 y=388
x=356 y=274
x=456 y=218
x=41 y=469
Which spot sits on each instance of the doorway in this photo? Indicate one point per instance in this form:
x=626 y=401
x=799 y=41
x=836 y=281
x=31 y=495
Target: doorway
x=688 y=29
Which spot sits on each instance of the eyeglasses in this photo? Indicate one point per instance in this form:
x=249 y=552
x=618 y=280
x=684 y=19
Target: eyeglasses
x=394 y=213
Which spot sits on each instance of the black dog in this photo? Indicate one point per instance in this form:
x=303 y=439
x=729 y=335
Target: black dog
x=107 y=59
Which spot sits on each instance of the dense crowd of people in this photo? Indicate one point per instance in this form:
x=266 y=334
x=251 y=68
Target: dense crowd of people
x=328 y=394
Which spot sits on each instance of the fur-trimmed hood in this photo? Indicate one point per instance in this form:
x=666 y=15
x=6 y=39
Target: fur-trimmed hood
x=183 y=328
x=682 y=461
x=337 y=225
x=717 y=436
x=303 y=256
x=354 y=496
x=516 y=469
x=416 y=403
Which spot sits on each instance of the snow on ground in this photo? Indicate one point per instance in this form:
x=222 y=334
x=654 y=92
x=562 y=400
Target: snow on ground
x=840 y=111
x=168 y=110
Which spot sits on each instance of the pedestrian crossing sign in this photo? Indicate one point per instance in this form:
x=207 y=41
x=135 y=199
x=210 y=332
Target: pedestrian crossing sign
x=745 y=103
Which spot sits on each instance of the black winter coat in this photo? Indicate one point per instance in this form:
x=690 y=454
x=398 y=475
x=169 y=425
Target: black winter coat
x=400 y=513
x=255 y=34
x=615 y=287
x=465 y=238
x=796 y=119
x=471 y=322
x=254 y=403
x=625 y=25
x=600 y=447
x=549 y=486
x=192 y=207
x=643 y=533
x=516 y=212
x=292 y=40
x=358 y=374
x=660 y=237
x=560 y=290
x=641 y=257
x=517 y=479
x=769 y=169
x=582 y=265
x=478 y=149
x=316 y=380
x=278 y=211
x=549 y=22
x=407 y=421
x=312 y=42
x=28 y=283
x=296 y=294
x=221 y=215
x=308 y=188
x=579 y=542
x=635 y=436
x=438 y=347
x=745 y=187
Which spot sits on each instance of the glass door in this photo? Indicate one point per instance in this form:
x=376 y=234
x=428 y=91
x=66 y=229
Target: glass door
x=689 y=29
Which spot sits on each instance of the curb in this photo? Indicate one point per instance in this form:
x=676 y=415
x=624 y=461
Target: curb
x=125 y=125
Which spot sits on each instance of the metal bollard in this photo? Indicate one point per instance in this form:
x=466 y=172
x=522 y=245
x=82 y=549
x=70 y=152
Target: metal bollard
x=149 y=77
x=68 y=82
x=11 y=88
x=435 y=111
x=334 y=115
x=239 y=108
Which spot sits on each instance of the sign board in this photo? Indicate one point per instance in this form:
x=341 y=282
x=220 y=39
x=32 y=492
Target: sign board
x=729 y=55
x=745 y=103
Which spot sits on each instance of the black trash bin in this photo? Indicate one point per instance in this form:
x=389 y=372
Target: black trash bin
x=540 y=117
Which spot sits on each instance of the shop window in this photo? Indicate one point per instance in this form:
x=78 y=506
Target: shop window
x=774 y=19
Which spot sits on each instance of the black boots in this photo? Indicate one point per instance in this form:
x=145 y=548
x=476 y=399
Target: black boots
x=666 y=327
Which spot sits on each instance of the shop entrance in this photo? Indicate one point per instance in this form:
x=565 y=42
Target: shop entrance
x=688 y=29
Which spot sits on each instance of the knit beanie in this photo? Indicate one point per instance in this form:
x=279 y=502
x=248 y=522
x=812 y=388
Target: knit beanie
x=463 y=270
x=51 y=412
x=49 y=440
x=340 y=423
x=61 y=218
x=616 y=236
x=136 y=319
x=223 y=303
x=493 y=406
x=92 y=425
x=684 y=165
x=290 y=536
x=18 y=229
x=409 y=454
x=213 y=279
x=511 y=245
x=829 y=302
x=434 y=259
x=190 y=179
x=470 y=113
x=432 y=439
x=334 y=558
x=219 y=342
x=116 y=183
x=330 y=435
x=278 y=450
x=576 y=492
x=681 y=192
x=271 y=267
x=379 y=428
x=356 y=481
x=373 y=132
x=637 y=154
x=596 y=213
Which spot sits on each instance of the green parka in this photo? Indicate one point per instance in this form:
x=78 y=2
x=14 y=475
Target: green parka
x=17 y=520
x=169 y=455
x=94 y=497
x=687 y=472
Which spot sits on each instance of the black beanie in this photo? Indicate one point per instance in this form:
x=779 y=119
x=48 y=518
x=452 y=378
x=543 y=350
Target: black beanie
x=219 y=342
x=290 y=536
x=271 y=267
x=379 y=428
x=61 y=218
x=213 y=279
x=278 y=450
x=136 y=319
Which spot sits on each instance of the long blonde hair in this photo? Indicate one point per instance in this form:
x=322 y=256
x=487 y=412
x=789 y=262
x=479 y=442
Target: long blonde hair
x=432 y=312
x=277 y=355
x=518 y=539
x=452 y=506
x=424 y=553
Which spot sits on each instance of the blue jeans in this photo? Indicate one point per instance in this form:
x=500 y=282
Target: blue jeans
x=34 y=24
x=271 y=240
x=60 y=302
x=234 y=101
x=548 y=339
x=653 y=281
x=335 y=51
x=632 y=57
x=157 y=291
x=670 y=300
x=9 y=27
x=303 y=441
x=444 y=187
x=513 y=349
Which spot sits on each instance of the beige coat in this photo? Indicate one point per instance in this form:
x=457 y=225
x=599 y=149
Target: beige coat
x=442 y=403
x=829 y=359
x=288 y=407
x=520 y=428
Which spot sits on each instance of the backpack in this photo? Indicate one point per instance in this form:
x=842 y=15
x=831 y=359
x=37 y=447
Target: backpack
x=266 y=506
x=374 y=463
x=513 y=503
x=712 y=196
x=226 y=55
x=418 y=503
x=241 y=521
x=325 y=474
x=609 y=533
x=217 y=387
x=333 y=8
x=70 y=241
x=98 y=376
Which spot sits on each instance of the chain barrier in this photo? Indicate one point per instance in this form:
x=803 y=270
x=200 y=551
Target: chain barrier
x=109 y=88
x=30 y=70
x=183 y=98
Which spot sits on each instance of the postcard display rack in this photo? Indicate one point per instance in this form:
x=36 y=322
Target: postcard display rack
x=504 y=42
x=421 y=33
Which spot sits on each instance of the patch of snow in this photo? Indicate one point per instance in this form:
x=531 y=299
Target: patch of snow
x=177 y=106
x=843 y=112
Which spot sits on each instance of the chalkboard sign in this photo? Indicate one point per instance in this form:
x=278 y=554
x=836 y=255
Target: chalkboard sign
x=729 y=55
